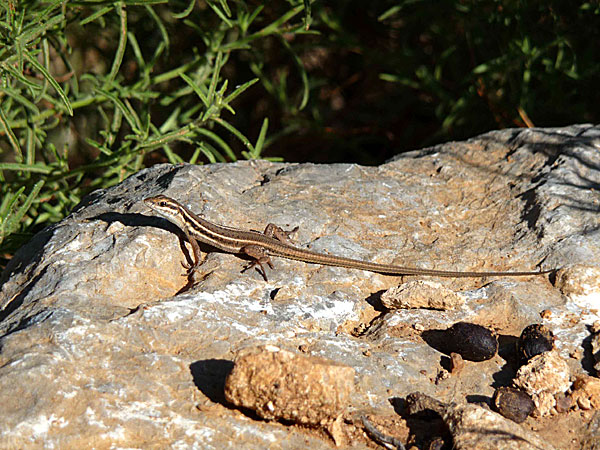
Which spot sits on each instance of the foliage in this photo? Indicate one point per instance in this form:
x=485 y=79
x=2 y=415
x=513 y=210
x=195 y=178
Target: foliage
x=389 y=76
x=495 y=64
x=92 y=92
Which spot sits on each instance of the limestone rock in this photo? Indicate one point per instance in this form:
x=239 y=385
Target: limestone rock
x=586 y=392
x=595 y=345
x=543 y=377
x=421 y=294
x=476 y=428
x=278 y=384
x=580 y=279
x=105 y=342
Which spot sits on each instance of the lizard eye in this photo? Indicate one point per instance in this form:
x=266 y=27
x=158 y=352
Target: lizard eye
x=162 y=203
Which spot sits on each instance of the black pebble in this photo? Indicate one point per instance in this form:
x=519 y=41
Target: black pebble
x=534 y=340
x=513 y=404
x=472 y=342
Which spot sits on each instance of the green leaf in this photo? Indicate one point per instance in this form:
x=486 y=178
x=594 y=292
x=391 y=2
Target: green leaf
x=128 y=112
x=239 y=90
x=272 y=28
x=14 y=142
x=389 y=13
x=40 y=28
x=36 y=168
x=10 y=222
x=215 y=77
x=137 y=51
x=303 y=74
x=208 y=151
x=261 y=139
x=481 y=68
x=161 y=27
x=8 y=202
x=28 y=201
x=165 y=138
x=41 y=69
x=7 y=66
x=186 y=12
x=196 y=89
x=118 y=59
x=307 y=14
x=221 y=15
x=225 y=7
x=217 y=140
x=96 y=15
x=236 y=133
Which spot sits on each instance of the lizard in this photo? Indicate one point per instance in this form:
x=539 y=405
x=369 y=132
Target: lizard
x=275 y=242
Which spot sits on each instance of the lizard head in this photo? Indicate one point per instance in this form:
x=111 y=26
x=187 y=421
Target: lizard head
x=166 y=207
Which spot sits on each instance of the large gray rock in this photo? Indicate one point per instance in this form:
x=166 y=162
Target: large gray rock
x=105 y=342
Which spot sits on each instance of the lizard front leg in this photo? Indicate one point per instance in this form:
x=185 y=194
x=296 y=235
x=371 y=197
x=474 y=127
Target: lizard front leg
x=259 y=257
x=196 y=253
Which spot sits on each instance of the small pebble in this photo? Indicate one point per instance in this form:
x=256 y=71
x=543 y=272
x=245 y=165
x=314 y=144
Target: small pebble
x=472 y=342
x=513 y=404
x=456 y=363
x=563 y=402
x=534 y=340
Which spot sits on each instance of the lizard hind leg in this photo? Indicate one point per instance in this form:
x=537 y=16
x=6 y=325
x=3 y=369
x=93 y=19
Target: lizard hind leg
x=273 y=231
x=259 y=257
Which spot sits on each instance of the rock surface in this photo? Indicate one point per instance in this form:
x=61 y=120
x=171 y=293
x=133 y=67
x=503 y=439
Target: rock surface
x=106 y=344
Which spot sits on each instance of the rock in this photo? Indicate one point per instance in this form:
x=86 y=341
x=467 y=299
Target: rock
x=595 y=345
x=476 y=428
x=586 y=392
x=421 y=294
x=534 y=340
x=457 y=363
x=563 y=403
x=513 y=404
x=543 y=377
x=580 y=279
x=471 y=341
x=106 y=342
x=281 y=385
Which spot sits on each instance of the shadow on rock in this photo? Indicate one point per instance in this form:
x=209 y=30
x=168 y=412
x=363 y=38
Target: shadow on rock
x=437 y=339
x=425 y=427
x=507 y=349
x=209 y=376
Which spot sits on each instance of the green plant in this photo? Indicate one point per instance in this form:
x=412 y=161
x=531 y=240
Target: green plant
x=391 y=76
x=496 y=64
x=91 y=92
